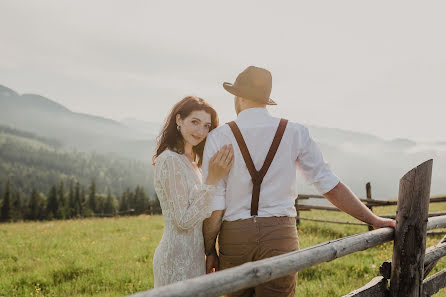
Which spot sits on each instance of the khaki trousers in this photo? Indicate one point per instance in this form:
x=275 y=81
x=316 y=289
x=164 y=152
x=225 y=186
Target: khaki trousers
x=254 y=239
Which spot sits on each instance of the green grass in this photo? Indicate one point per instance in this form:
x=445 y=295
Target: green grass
x=113 y=256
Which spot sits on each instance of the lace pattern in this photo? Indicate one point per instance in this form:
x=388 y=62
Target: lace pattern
x=185 y=203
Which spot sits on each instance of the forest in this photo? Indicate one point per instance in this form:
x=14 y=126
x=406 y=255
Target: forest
x=41 y=180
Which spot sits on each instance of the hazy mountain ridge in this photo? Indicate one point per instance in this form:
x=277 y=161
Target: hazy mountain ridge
x=44 y=117
x=355 y=157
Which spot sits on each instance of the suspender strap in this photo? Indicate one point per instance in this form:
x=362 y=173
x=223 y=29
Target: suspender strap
x=257 y=176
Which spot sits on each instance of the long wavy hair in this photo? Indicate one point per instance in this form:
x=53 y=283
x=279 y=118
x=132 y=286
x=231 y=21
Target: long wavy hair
x=171 y=138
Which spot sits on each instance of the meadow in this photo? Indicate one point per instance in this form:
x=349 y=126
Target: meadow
x=113 y=256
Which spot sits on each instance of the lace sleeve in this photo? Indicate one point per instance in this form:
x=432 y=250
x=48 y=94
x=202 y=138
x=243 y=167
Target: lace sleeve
x=190 y=201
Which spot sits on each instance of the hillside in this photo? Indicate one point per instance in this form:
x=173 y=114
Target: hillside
x=30 y=161
x=43 y=116
x=357 y=158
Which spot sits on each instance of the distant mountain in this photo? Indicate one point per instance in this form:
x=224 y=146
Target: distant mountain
x=147 y=129
x=356 y=158
x=43 y=116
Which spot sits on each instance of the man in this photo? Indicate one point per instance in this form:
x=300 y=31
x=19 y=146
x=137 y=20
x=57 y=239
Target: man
x=254 y=213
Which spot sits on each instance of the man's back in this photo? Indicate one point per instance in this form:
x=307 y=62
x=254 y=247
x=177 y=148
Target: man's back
x=278 y=190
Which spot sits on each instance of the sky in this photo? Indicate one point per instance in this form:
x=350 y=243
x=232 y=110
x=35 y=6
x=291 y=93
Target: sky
x=376 y=67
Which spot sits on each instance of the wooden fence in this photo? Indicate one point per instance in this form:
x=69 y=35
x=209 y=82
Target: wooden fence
x=406 y=271
x=368 y=201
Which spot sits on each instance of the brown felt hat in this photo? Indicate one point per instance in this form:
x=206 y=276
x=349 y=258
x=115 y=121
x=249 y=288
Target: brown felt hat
x=253 y=83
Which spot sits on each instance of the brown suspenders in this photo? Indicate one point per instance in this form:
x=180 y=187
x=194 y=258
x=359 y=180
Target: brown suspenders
x=257 y=176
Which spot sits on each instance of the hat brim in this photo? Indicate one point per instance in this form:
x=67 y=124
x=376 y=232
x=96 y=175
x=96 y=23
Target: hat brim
x=234 y=91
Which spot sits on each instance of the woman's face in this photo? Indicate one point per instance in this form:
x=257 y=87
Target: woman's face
x=195 y=127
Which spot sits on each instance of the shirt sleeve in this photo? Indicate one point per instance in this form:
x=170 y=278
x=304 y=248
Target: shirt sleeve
x=212 y=147
x=190 y=202
x=312 y=166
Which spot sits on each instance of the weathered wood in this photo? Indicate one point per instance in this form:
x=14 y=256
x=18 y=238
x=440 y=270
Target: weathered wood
x=377 y=287
x=428 y=268
x=436 y=223
x=435 y=233
x=433 y=255
x=307 y=196
x=319 y=207
x=375 y=202
x=410 y=233
x=254 y=273
x=438 y=199
x=432 y=214
x=434 y=283
x=334 y=222
x=368 y=190
x=296 y=205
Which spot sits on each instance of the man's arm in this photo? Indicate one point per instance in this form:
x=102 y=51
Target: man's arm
x=211 y=228
x=344 y=199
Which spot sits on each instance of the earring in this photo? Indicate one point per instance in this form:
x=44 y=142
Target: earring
x=179 y=128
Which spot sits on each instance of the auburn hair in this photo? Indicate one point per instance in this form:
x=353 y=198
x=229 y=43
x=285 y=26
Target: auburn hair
x=171 y=138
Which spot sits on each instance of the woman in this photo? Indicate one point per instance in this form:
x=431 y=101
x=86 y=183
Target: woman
x=184 y=199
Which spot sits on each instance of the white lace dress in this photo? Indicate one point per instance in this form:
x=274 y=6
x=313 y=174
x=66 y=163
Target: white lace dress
x=185 y=203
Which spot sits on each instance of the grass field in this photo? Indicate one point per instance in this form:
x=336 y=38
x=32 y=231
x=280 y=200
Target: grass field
x=113 y=256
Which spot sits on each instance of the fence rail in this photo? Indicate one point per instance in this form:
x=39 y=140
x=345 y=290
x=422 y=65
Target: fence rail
x=407 y=270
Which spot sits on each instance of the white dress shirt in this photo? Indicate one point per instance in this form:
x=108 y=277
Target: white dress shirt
x=278 y=190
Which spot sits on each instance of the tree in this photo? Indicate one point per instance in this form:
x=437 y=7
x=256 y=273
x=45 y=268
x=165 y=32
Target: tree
x=124 y=203
x=92 y=202
x=85 y=208
x=5 y=212
x=71 y=209
x=52 y=205
x=16 y=207
x=77 y=201
x=34 y=204
x=109 y=205
x=62 y=199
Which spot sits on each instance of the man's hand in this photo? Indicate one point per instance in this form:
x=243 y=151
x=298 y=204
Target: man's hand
x=384 y=222
x=344 y=199
x=212 y=263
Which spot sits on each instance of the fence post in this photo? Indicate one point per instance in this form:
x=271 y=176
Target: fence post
x=296 y=205
x=368 y=189
x=410 y=233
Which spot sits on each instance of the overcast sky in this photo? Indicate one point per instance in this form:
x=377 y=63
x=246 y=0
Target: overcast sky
x=372 y=66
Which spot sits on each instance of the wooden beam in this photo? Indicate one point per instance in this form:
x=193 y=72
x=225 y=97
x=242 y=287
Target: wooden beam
x=318 y=207
x=430 y=266
x=254 y=273
x=368 y=190
x=434 y=283
x=433 y=255
x=410 y=233
x=432 y=214
x=334 y=222
x=377 y=287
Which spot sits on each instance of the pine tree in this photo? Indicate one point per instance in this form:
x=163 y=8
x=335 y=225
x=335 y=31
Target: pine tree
x=77 y=201
x=109 y=205
x=33 y=206
x=124 y=203
x=71 y=209
x=16 y=207
x=85 y=208
x=141 y=200
x=5 y=212
x=52 y=208
x=62 y=200
x=92 y=202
